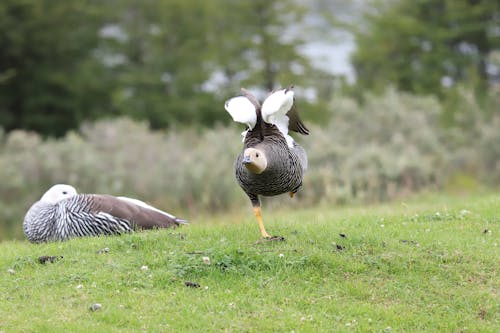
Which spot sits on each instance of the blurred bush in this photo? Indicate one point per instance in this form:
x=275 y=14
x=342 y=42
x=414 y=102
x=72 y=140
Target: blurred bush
x=389 y=147
x=474 y=135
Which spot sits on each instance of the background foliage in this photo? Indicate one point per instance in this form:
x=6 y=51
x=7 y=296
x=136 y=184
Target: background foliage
x=399 y=150
x=62 y=63
x=428 y=46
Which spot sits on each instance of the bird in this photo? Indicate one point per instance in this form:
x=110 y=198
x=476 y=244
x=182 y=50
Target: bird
x=62 y=213
x=271 y=162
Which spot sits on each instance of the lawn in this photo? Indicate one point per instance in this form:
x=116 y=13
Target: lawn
x=428 y=264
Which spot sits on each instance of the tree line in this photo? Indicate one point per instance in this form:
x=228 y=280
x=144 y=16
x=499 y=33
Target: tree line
x=174 y=62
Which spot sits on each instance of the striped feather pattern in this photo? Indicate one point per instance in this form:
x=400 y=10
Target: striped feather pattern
x=70 y=218
x=285 y=169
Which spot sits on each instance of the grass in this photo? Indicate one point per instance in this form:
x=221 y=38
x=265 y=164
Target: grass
x=429 y=264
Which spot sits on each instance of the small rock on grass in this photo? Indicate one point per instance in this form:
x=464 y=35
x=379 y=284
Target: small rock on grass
x=44 y=259
x=405 y=241
x=105 y=250
x=192 y=284
x=96 y=306
x=339 y=247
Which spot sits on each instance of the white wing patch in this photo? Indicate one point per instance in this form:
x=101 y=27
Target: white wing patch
x=145 y=205
x=274 y=110
x=282 y=124
x=277 y=104
x=107 y=216
x=244 y=135
x=242 y=111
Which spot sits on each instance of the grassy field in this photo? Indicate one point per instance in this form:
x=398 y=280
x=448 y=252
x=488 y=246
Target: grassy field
x=429 y=264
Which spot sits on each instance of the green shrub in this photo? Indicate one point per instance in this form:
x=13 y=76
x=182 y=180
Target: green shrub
x=389 y=147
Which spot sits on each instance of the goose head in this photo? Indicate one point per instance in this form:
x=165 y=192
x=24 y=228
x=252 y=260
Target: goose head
x=254 y=160
x=57 y=193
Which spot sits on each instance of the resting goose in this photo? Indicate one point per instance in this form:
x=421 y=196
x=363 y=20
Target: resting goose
x=271 y=162
x=62 y=213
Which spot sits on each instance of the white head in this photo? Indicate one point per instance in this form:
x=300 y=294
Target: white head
x=57 y=193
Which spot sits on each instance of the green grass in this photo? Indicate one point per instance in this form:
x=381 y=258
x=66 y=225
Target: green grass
x=426 y=265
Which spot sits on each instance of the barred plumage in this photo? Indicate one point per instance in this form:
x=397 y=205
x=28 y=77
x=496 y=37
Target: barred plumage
x=61 y=214
x=284 y=171
x=271 y=162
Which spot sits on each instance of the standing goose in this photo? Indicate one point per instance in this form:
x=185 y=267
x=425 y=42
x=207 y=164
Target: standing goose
x=271 y=162
x=61 y=214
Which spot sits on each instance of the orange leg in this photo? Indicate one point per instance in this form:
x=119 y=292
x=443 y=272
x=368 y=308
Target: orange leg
x=292 y=194
x=258 y=215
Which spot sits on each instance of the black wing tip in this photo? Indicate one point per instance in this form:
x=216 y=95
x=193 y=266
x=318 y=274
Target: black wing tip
x=302 y=129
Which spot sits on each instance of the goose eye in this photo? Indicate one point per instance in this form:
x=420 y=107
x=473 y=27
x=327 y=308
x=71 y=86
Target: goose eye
x=64 y=192
x=257 y=155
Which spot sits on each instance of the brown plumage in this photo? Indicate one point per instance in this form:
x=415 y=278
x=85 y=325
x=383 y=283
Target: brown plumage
x=139 y=216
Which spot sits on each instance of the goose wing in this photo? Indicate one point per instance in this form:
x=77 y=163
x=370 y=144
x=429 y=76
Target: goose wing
x=295 y=123
x=133 y=210
x=242 y=110
x=279 y=109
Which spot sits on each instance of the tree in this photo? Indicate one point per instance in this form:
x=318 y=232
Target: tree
x=166 y=61
x=163 y=52
x=48 y=78
x=261 y=43
x=182 y=59
x=427 y=46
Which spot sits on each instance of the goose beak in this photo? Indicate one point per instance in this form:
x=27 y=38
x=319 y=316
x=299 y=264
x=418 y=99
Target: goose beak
x=246 y=159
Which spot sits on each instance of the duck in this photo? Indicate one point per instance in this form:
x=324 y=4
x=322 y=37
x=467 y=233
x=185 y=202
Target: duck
x=62 y=213
x=271 y=161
